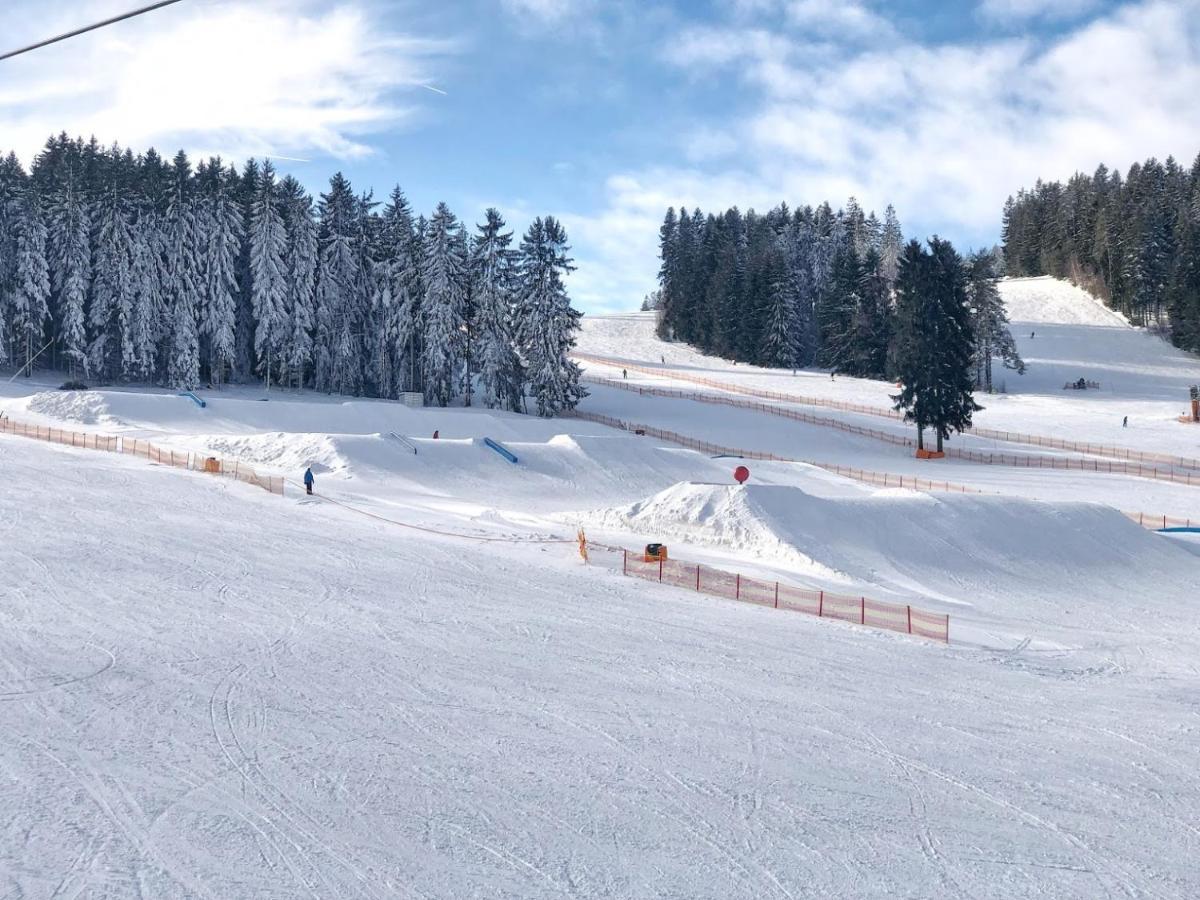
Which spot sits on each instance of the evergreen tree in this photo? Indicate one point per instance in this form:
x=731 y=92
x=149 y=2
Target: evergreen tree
x=30 y=303
x=989 y=321
x=69 y=246
x=546 y=322
x=933 y=344
x=222 y=244
x=492 y=277
x=301 y=279
x=268 y=271
x=444 y=274
x=337 y=279
x=111 y=316
x=181 y=279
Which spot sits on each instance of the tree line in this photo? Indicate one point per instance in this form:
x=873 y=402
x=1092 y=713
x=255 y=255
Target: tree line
x=125 y=267
x=1134 y=241
x=813 y=286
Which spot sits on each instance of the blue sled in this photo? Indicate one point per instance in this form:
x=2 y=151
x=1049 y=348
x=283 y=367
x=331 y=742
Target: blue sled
x=200 y=403
x=503 y=451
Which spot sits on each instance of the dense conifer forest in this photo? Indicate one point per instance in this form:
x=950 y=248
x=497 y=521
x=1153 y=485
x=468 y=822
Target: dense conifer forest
x=123 y=267
x=1133 y=240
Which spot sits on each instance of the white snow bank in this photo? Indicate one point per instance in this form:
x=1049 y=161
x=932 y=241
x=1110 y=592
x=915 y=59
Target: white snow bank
x=1020 y=557
x=83 y=407
x=1057 y=302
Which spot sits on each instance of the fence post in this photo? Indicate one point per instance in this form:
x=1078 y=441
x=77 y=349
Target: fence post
x=697 y=576
x=910 y=620
x=624 y=562
x=821 y=605
x=777 y=595
x=660 y=568
x=863 y=613
x=737 y=590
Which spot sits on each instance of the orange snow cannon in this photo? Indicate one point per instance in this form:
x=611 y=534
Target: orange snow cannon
x=655 y=553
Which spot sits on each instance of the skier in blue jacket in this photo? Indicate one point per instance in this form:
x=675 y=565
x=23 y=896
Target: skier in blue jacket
x=308 y=481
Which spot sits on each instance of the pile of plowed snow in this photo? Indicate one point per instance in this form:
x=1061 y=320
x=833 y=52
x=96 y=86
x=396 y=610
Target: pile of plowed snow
x=962 y=549
x=84 y=407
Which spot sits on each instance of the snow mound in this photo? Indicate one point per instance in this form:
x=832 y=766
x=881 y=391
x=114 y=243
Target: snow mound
x=281 y=450
x=1050 y=301
x=84 y=407
x=993 y=552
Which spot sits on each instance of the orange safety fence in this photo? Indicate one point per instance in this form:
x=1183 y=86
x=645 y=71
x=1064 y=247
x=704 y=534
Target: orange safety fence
x=984 y=458
x=1012 y=437
x=179 y=459
x=734 y=586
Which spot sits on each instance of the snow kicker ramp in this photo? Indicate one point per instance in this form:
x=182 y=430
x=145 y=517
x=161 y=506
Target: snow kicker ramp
x=986 y=555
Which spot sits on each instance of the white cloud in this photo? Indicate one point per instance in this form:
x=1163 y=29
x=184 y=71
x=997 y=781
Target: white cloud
x=1021 y=10
x=545 y=11
x=838 y=17
x=945 y=132
x=232 y=78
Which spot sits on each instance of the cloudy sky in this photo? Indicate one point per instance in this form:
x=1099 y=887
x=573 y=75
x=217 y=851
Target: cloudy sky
x=604 y=112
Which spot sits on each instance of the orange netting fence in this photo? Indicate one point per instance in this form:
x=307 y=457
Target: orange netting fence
x=179 y=459
x=1153 y=521
x=878 y=479
x=734 y=586
x=1012 y=437
x=1029 y=461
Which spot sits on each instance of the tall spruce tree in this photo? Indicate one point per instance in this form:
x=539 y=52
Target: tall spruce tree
x=492 y=277
x=547 y=323
x=268 y=272
x=989 y=321
x=933 y=344
x=444 y=274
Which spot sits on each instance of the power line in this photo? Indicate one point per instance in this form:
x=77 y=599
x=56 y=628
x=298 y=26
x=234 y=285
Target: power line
x=78 y=31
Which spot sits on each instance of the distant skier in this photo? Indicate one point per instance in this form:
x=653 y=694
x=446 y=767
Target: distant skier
x=308 y=481
x=1125 y=422
x=625 y=374
x=1031 y=335
x=435 y=434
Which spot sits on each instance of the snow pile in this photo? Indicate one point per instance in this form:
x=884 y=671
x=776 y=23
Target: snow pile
x=1052 y=301
x=993 y=552
x=83 y=407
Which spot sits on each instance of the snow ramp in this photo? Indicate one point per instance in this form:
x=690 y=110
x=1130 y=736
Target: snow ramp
x=992 y=556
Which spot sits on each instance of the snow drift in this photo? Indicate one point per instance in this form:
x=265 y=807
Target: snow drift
x=1022 y=556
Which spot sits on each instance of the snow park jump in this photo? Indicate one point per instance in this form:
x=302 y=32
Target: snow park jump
x=503 y=451
x=198 y=401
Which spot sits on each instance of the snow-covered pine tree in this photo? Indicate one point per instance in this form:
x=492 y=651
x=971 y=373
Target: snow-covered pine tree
x=443 y=308
x=268 y=272
x=12 y=187
x=148 y=322
x=301 y=278
x=989 y=321
x=30 y=303
x=492 y=276
x=546 y=322
x=70 y=253
x=181 y=279
x=223 y=243
x=337 y=276
x=891 y=245
x=111 y=315
x=402 y=274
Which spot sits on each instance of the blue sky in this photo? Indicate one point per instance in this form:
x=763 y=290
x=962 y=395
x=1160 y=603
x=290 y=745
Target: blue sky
x=603 y=112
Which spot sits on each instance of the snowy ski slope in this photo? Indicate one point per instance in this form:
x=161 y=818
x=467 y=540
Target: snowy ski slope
x=207 y=691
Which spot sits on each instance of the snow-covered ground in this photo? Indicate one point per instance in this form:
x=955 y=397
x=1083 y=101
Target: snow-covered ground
x=210 y=691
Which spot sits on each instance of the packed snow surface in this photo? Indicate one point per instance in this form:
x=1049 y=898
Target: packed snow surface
x=208 y=691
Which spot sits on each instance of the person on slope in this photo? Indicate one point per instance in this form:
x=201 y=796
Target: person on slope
x=625 y=374
x=1125 y=422
x=308 y=481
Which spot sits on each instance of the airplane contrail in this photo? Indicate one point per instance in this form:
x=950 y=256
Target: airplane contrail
x=430 y=87
x=78 y=31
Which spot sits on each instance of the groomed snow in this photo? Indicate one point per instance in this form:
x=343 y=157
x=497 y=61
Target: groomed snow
x=212 y=692
x=209 y=691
